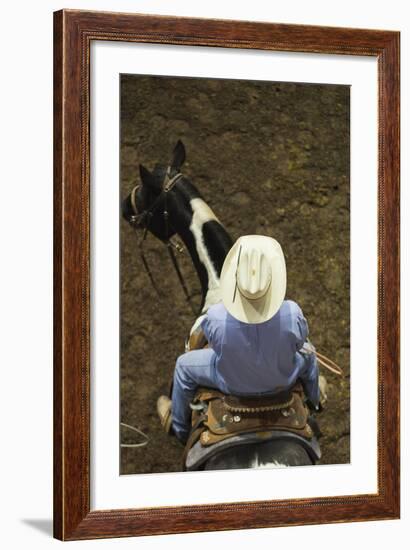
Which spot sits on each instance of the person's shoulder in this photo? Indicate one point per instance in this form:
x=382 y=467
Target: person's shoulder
x=291 y=308
x=292 y=318
x=217 y=312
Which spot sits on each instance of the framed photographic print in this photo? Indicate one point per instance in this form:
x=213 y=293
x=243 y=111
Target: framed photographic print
x=193 y=157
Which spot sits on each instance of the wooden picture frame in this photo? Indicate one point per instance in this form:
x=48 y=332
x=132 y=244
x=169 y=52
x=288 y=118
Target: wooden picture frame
x=74 y=32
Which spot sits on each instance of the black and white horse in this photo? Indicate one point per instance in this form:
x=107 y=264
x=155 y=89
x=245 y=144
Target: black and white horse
x=167 y=203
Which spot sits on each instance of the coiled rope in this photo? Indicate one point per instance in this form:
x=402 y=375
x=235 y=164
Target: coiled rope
x=139 y=432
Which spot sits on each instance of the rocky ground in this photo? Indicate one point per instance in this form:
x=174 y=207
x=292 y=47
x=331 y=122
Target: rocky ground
x=269 y=158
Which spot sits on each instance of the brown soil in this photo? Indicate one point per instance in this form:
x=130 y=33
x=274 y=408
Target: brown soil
x=269 y=158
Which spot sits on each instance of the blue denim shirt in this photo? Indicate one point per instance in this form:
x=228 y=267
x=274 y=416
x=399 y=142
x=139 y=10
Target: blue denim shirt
x=264 y=357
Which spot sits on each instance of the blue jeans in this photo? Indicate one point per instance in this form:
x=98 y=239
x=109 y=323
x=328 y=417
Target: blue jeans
x=193 y=369
x=197 y=368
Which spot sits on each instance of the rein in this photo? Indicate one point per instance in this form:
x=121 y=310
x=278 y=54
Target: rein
x=145 y=217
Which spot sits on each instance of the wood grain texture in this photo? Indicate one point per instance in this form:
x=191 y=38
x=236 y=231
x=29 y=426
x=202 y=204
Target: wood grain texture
x=73 y=32
x=57 y=302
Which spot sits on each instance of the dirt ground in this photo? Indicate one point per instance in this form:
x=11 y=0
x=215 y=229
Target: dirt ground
x=269 y=158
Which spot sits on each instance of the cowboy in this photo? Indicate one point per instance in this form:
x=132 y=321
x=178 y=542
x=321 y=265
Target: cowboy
x=257 y=340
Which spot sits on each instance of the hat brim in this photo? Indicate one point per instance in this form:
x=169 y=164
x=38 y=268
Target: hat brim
x=265 y=307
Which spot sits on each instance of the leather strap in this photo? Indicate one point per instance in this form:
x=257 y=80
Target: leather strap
x=194 y=435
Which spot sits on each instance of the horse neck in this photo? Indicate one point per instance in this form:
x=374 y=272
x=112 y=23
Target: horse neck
x=205 y=238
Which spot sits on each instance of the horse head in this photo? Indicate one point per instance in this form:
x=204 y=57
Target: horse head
x=166 y=203
x=149 y=203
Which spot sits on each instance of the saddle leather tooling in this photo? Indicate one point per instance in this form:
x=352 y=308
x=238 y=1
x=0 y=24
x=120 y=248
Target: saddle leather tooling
x=217 y=417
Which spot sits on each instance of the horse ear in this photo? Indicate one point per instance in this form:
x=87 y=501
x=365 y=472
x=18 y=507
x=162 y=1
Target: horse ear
x=178 y=156
x=146 y=177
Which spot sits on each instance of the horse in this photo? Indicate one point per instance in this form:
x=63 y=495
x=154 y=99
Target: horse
x=166 y=203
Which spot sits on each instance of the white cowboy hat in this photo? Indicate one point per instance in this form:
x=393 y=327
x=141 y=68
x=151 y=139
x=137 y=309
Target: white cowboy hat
x=253 y=279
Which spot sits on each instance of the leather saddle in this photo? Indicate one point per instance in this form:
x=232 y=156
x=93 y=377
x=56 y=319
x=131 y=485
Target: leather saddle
x=220 y=420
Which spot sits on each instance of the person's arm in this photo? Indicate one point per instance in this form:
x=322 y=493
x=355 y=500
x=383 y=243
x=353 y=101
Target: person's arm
x=206 y=328
x=212 y=327
x=301 y=330
x=309 y=371
x=309 y=376
x=201 y=333
x=197 y=338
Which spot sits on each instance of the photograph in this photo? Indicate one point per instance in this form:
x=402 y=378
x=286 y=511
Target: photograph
x=234 y=274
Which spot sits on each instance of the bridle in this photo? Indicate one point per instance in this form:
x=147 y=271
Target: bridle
x=138 y=217
x=142 y=220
